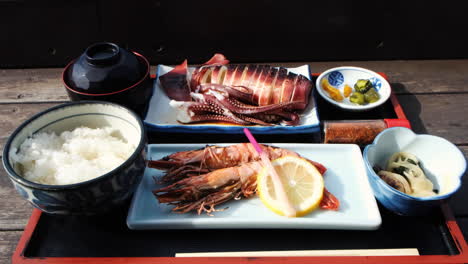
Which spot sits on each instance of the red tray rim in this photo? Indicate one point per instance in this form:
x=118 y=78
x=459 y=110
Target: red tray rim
x=450 y=222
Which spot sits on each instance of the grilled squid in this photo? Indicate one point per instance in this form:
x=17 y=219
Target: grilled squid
x=245 y=94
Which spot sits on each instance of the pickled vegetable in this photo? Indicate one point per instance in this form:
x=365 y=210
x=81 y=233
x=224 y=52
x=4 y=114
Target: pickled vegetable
x=334 y=93
x=357 y=98
x=396 y=181
x=403 y=171
x=347 y=91
x=371 y=96
x=362 y=85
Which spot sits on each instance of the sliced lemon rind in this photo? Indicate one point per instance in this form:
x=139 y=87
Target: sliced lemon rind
x=306 y=206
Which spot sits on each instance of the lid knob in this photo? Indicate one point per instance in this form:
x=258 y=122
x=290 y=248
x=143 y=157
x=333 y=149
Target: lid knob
x=101 y=54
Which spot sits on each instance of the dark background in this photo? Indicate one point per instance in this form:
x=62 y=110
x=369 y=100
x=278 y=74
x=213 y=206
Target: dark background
x=50 y=33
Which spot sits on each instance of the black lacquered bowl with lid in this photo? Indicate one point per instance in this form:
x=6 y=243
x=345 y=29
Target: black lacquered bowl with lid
x=107 y=72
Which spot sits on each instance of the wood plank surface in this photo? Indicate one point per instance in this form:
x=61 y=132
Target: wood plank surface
x=31 y=85
x=8 y=241
x=15 y=210
x=427 y=76
x=441 y=115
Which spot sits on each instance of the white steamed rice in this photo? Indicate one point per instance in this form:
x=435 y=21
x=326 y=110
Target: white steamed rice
x=71 y=157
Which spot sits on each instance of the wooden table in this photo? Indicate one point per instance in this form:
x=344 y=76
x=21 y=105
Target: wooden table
x=433 y=94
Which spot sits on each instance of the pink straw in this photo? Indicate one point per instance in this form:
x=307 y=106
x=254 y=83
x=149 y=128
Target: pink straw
x=253 y=141
x=279 y=188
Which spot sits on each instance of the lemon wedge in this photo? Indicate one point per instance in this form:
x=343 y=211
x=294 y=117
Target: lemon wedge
x=302 y=183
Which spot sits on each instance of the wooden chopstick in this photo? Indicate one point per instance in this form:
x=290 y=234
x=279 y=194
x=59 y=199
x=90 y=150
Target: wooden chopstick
x=307 y=253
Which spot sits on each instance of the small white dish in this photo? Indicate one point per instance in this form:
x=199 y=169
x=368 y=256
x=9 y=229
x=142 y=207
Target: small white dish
x=345 y=177
x=349 y=75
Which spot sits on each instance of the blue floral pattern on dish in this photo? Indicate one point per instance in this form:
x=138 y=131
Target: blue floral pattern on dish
x=335 y=78
x=376 y=83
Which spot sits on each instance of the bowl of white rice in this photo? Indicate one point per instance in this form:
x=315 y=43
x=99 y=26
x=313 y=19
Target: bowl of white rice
x=84 y=157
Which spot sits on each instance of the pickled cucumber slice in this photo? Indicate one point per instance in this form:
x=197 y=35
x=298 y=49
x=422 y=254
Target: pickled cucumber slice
x=362 y=85
x=371 y=95
x=357 y=98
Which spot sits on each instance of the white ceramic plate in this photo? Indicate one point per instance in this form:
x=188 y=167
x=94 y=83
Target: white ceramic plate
x=340 y=76
x=163 y=118
x=346 y=178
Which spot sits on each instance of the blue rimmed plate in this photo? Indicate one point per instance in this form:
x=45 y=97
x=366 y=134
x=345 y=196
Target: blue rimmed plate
x=163 y=118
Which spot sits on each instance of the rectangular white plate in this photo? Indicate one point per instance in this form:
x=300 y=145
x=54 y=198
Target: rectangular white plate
x=163 y=118
x=346 y=178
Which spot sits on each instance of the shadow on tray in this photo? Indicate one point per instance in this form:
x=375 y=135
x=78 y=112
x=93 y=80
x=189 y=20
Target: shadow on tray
x=411 y=106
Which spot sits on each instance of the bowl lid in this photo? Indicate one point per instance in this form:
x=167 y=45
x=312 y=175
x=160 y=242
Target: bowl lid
x=102 y=53
x=104 y=68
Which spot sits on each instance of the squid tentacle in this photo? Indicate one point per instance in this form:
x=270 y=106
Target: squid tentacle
x=253 y=120
x=190 y=112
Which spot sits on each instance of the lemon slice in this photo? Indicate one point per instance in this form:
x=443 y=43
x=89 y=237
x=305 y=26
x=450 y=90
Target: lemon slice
x=302 y=183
